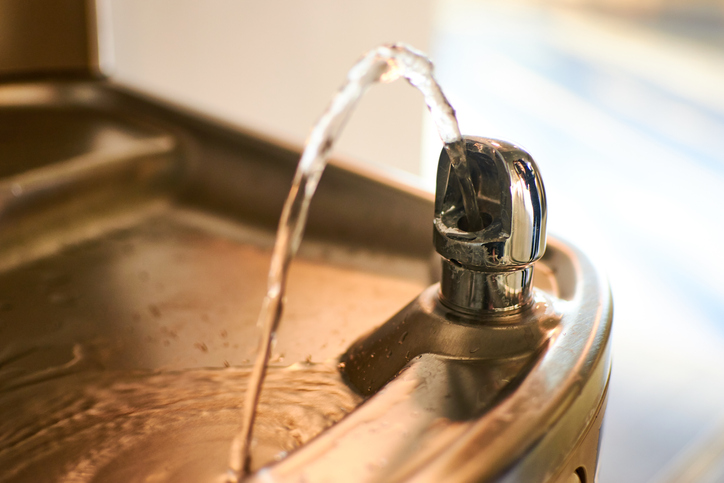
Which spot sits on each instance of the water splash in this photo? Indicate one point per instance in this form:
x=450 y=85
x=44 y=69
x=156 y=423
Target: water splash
x=83 y=425
x=383 y=64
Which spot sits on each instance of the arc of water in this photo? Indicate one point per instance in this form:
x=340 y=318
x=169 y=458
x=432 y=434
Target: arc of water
x=386 y=64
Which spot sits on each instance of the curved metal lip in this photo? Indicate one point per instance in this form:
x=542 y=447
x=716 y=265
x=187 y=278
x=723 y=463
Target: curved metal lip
x=572 y=370
x=577 y=360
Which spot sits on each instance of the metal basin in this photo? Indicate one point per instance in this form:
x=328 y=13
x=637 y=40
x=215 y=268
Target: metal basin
x=135 y=236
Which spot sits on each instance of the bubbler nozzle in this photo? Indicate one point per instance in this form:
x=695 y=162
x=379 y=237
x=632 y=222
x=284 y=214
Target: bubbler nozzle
x=490 y=270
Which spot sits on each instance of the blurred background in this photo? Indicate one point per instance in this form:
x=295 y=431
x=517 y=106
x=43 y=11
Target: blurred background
x=621 y=102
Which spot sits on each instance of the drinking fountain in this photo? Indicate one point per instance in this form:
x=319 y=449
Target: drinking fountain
x=135 y=236
x=499 y=372
x=484 y=306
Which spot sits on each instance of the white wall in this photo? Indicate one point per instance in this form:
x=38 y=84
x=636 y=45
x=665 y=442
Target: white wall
x=273 y=66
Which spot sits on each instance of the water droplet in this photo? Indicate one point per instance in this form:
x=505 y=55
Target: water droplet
x=169 y=332
x=61 y=298
x=403 y=337
x=155 y=311
x=474 y=350
x=280 y=456
x=201 y=346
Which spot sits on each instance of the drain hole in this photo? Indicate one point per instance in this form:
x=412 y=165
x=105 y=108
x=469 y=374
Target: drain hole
x=581 y=473
x=485 y=217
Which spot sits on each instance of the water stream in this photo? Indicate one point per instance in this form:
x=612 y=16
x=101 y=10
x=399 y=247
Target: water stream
x=383 y=64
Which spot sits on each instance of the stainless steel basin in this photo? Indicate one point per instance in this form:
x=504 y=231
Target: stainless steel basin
x=135 y=236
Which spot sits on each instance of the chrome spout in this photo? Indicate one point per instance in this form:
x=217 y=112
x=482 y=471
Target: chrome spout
x=490 y=270
x=523 y=369
x=484 y=307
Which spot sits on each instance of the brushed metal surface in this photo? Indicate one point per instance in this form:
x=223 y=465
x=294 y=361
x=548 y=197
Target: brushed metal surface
x=109 y=218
